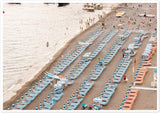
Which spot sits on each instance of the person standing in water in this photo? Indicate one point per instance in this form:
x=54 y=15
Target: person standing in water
x=47 y=44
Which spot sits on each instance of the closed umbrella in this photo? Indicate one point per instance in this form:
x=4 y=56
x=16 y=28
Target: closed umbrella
x=76 y=91
x=40 y=80
x=64 y=106
x=70 y=99
x=30 y=90
x=73 y=95
x=36 y=108
x=26 y=93
x=22 y=96
x=67 y=102
x=17 y=100
x=33 y=86
x=13 y=105
x=45 y=100
x=40 y=105
x=36 y=83
x=48 y=96
x=52 y=92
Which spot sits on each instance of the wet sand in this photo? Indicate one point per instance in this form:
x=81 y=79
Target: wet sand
x=99 y=84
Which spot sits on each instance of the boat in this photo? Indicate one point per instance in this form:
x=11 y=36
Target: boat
x=15 y=3
x=62 y=4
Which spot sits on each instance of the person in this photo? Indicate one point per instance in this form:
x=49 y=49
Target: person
x=84 y=106
x=135 y=60
x=79 y=96
x=123 y=55
x=124 y=77
x=90 y=107
x=144 y=14
x=100 y=63
x=47 y=44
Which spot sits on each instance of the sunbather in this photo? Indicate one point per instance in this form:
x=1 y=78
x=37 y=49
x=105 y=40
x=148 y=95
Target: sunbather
x=79 y=96
x=90 y=107
x=84 y=106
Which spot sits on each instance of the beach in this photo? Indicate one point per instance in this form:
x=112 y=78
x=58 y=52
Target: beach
x=25 y=38
x=110 y=21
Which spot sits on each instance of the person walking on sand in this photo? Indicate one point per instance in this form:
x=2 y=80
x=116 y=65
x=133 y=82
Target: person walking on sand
x=135 y=60
x=124 y=78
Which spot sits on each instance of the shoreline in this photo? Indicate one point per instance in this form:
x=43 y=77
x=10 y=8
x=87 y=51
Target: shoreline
x=54 y=58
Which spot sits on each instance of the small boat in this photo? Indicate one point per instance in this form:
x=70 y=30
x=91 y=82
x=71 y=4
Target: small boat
x=15 y=3
x=62 y=4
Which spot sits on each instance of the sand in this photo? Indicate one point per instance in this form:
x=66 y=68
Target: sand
x=107 y=73
x=27 y=28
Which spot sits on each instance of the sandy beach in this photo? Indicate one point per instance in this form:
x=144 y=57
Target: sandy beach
x=25 y=39
x=117 y=97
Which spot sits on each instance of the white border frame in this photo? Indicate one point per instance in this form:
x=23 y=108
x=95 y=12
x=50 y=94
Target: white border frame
x=78 y=1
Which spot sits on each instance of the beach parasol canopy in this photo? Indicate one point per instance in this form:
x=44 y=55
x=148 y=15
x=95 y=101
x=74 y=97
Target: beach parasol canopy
x=76 y=91
x=155 y=71
x=64 y=106
x=40 y=105
x=67 y=102
x=17 y=100
x=70 y=99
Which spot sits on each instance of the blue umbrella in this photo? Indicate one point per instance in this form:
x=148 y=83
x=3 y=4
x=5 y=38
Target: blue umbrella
x=77 y=91
x=67 y=102
x=81 y=85
x=79 y=88
x=43 y=78
x=30 y=90
x=36 y=83
x=26 y=93
x=70 y=99
x=8 y=108
x=54 y=100
x=22 y=96
x=36 y=108
x=13 y=105
x=105 y=88
x=17 y=100
x=60 y=108
x=94 y=105
x=83 y=105
x=64 y=106
x=33 y=86
x=101 y=94
x=52 y=92
x=45 y=100
x=40 y=81
x=126 y=96
x=48 y=96
x=107 y=84
x=86 y=79
x=40 y=105
x=73 y=95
